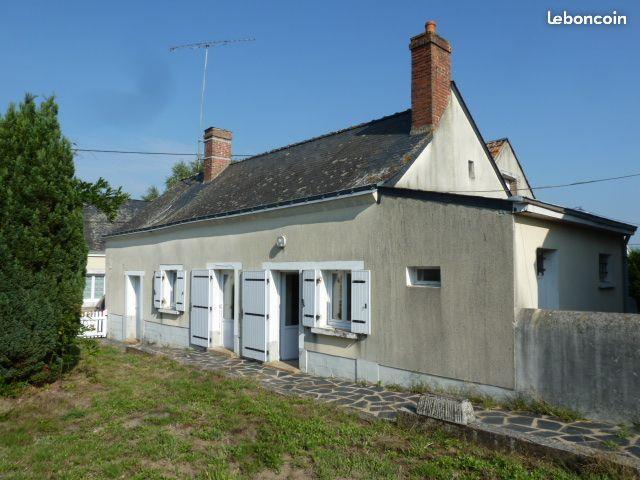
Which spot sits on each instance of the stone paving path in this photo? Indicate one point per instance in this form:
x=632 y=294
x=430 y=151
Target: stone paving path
x=382 y=403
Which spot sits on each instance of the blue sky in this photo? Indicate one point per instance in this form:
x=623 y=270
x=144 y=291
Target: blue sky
x=566 y=96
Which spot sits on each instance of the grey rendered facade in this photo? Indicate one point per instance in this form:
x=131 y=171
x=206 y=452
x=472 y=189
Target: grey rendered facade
x=384 y=199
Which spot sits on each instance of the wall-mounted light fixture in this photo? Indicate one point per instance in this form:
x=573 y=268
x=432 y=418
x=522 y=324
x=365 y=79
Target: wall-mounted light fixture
x=281 y=241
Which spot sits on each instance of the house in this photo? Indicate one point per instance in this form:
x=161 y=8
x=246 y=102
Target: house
x=399 y=250
x=96 y=224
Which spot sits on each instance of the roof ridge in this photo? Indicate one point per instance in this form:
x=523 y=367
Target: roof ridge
x=312 y=139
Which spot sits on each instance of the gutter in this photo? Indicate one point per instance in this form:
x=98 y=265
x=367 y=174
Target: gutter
x=353 y=192
x=547 y=211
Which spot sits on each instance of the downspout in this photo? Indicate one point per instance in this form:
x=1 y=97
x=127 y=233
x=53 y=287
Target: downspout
x=626 y=304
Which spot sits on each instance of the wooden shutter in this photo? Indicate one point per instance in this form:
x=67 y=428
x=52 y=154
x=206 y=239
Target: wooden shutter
x=255 y=314
x=157 y=289
x=200 y=313
x=310 y=287
x=179 y=293
x=361 y=301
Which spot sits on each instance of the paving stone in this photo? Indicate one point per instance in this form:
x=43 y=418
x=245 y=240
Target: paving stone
x=524 y=421
x=548 y=424
x=574 y=430
x=492 y=420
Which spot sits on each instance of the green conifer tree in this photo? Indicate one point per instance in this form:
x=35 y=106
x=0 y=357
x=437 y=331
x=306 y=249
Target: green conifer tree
x=42 y=249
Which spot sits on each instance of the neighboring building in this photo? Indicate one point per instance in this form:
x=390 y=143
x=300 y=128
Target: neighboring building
x=96 y=225
x=392 y=251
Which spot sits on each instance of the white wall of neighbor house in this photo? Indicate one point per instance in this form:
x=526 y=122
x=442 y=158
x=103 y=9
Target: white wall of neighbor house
x=96 y=263
x=94 y=289
x=444 y=165
x=508 y=163
x=440 y=331
x=577 y=250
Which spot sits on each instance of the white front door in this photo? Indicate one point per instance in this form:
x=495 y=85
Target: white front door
x=289 y=315
x=254 y=314
x=547 y=274
x=200 y=312
x=227 y=289
x=134 y=304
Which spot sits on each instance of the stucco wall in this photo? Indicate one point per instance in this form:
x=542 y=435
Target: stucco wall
x=462 y=330
x=586 y=361
x=443 y=165
x=578 y=249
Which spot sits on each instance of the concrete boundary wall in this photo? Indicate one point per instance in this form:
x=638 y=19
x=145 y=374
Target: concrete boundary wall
x=585 y=361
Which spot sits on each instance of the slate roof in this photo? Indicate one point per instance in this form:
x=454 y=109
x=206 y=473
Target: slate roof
x=356 y=157
x=96 y=223
x=494 y=146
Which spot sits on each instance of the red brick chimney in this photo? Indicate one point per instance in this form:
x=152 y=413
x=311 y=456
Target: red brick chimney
x=430 y=78
x=217 y=152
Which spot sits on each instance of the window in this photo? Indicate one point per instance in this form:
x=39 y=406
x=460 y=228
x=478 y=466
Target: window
x=93 y=287
x=603 y=270
x=340 y=298
x=472 y=169
x=424 y=276
x=168 y=288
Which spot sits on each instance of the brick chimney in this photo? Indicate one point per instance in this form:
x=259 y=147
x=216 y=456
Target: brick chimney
x=430 y=78
x=217 y=152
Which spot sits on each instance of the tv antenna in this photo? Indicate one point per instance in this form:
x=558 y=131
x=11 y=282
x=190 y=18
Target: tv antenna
x=206 y=46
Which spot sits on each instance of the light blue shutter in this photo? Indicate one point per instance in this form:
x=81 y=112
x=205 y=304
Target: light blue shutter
x=361 y=301
x=310 y=287
x=179 y=293
x=157 y=289
x=200 y=313
x=255 y=314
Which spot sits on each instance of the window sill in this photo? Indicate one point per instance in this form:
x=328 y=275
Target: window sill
x=426 y=285
x=605 y=286
x=170 y=311
x=334 y=332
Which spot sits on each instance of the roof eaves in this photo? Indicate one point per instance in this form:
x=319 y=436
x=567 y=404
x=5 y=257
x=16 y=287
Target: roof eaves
x=603 y=222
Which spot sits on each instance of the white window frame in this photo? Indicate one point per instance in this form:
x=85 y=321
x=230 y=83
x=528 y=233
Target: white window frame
x=412 y=277
x=342 y=324
x=93 y=276
x=167 y=305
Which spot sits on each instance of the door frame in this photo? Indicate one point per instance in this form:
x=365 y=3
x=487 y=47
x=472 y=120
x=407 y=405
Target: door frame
x=140 y=304
x=237 y=268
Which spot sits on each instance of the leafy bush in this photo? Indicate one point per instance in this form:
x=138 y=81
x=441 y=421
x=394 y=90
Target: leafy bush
x=42 y=249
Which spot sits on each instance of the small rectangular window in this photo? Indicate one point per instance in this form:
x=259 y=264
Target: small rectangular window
x=604 y=274
x=169 y=289
x=540 y=262
x=427 y=276
x=472 y=169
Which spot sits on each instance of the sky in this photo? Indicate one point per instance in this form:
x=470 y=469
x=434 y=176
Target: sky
x=566 y=96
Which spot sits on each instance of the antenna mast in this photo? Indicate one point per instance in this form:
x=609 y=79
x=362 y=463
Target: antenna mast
x=206 y=46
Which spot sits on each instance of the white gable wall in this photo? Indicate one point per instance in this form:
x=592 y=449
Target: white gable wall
x=443 y=165
x=508 y=163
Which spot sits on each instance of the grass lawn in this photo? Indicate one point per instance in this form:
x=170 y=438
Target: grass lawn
x=120 y=415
